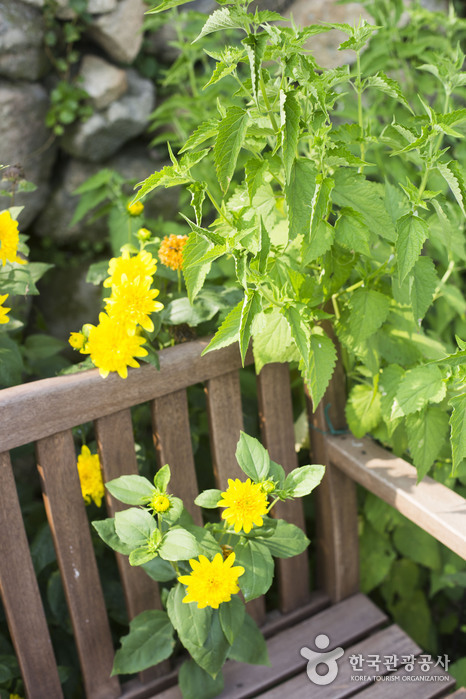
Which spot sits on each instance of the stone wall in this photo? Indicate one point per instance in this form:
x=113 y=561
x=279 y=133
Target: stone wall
x=114 y=136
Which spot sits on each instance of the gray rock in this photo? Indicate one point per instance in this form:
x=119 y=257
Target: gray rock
x=105 y=132
x=119 y=32
x=25 y=140
x=103 y=82
x=22 y=55
x=94 y=7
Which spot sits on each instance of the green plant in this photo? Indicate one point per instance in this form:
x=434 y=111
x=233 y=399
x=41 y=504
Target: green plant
x=207 y=615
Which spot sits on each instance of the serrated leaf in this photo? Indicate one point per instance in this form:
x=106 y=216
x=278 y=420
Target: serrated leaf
x=166 y=5
x=454 y=179
x=255 y=46
x=251 y=307
x=299 y=195
x=228 y=332
x=458 y=430
x=387 y=85
x=221 y=19
x=369 y=310
x=427 y=431
x=290 y=113
x=322 y=360
x=254 y=171
x=197 y=190
x=412 y=234
x=389 y=383
x=322 y=237
x=195 y=269
x=221 y=71
x=366 y=197
x=230 y=137
x=272 y=342
x=418 y=287
x=169 y=176
x=419 y=386
x=352 y=232
x=206 y=130
x=362 y=410
x=300 y=332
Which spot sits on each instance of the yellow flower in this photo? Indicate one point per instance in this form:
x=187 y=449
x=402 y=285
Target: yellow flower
x=90 y=476
x=3 y=310
x=211 y=582
x=9 y=239
x=171 y=251
x=135 y=209
x=112 y=348
x=159 y=503
x=131 y=304
x=246 y=503
x=77 y=340
x=127 y=268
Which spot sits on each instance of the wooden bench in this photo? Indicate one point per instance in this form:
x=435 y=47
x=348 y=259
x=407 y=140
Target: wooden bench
x=44 y=412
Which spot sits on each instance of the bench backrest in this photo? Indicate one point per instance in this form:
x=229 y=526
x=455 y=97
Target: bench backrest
x=44 y=412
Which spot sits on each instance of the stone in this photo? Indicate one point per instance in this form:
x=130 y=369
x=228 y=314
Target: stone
x=100 y=136
x=25 y=140
x=119 y=32
x=103 y=82
x=94 y=7
x=22 y=54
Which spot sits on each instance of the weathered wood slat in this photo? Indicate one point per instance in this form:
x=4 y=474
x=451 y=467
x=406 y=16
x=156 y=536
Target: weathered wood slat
x=409 y=689
x=21 y=596
x=70 y=530
x=115 y=439
x=337 y=514
x=225 y=413
x=389 y=641
x=431 y=505
x=42 y=408
x=172 y=440
x=277 y=429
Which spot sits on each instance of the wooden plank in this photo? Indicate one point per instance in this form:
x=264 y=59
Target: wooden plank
x=115 y=440
x=225 y=413
x=343 y=623
x=336 y=506
x=70 y=530
x=390 y=641
x=21 y=596
x=172 y=440
x=277 y=428
x=459 y=694
x=408 y=688
x=431 y=505
x=41 y=408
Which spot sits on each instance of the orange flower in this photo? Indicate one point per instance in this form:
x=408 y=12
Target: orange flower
x=171 y=251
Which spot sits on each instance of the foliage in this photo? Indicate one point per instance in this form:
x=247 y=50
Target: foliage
x=208 y=617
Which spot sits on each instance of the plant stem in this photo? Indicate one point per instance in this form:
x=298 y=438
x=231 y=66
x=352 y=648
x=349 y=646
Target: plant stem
x=178 y=271
x=267 y=103
x=360 y=117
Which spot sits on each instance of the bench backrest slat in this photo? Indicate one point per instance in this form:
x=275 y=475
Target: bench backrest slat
x=21 y=596
x=68 y=521
x=276 y=417
x=172 y=439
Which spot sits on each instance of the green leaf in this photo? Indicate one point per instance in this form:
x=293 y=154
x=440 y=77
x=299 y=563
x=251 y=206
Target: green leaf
x=299 y=327
x=287 y=540
x=417 y=545
x=272 y=342
x=150 y=640
x=11 y=362
x=368 y=311
x=97 y=272
x=376 y=556
x=299 y=194
x=258 y=566
x=290 y=113
x=418 y=287
x=255 y=46
x=228 y=332
x=252 y=458
x=387 y=85
x=162 y=478
x=159 y=570
x=251 y=307
x=132 y=490
x=413 y=612
x=221 y=19
x=134 y=526
x=322 y=360
x=458 y=430
x=166 y=5
x=195 y=269
x=419 y=386
x=194 y=682
x=206 y=130
x=454 y=179
x=250 y=646
x=254 y=171
x=427 y=431
x=208 y=498
x=232 y=615
x=321 y=241
x=362 y=410
x=302 y=481
x=168 y=176
x=178 y=545
x=221 y=71
x=412 y=234
x=197 y=190
x=143 y=554
x=105 y=528
x=367 y=198
x=352 y=232
x=207 y=543
x=230 y=138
